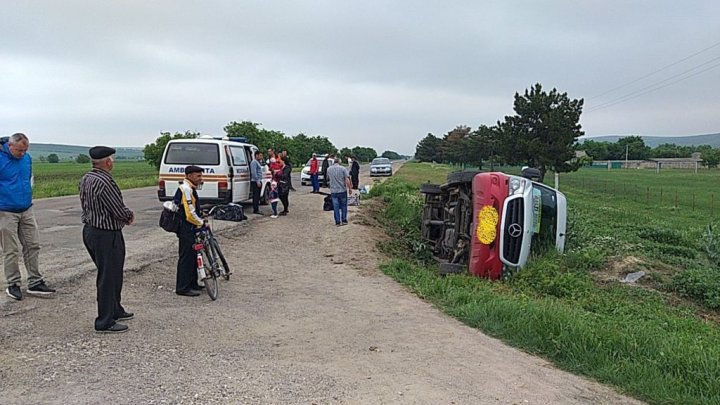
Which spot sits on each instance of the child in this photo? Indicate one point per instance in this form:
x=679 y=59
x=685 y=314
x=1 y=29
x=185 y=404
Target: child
x=274 y=198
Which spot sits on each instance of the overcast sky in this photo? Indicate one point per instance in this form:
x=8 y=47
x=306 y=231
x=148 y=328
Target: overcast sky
x=372 y=73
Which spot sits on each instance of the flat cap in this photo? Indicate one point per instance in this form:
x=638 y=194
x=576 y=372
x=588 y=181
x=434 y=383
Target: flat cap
x=193 y=169
x=101 y=152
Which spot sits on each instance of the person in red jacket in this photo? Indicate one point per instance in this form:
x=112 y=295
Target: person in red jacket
x=314 y=175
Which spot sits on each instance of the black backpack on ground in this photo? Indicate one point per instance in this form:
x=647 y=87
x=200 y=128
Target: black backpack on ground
x=327 y=203
x=228 y=212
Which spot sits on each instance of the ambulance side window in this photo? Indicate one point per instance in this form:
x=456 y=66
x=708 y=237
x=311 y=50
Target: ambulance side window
x=238 y=156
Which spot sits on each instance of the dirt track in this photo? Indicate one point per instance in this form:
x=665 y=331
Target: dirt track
x=306 y=318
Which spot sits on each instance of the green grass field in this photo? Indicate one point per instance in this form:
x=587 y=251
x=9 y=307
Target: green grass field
x=658 y=340
x=58 y=179
x=684 y=195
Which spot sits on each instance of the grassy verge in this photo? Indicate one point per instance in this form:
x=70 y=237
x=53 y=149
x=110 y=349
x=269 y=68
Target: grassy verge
x=59 y=179
x=647 y=341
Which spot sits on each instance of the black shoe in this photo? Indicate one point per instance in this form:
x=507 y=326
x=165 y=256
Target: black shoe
x=125 y=316
x=188 y=293
x=40 y=289
x=115 y=328
x=284 y=213
x=14 y=292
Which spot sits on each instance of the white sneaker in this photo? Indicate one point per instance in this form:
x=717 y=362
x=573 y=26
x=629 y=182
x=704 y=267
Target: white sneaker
x=273 y=216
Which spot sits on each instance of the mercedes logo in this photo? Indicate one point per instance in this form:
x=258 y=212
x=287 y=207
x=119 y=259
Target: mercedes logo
x=514 y=230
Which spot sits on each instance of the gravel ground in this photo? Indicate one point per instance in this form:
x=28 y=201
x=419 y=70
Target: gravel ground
x=306 y=318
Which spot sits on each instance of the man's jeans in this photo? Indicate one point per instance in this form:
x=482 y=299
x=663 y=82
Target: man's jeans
x=339 y=201
x=20 y=228
x=315 y=179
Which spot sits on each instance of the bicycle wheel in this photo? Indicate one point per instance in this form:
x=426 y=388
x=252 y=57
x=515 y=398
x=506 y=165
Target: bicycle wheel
x=211 y=284
x=222 y=263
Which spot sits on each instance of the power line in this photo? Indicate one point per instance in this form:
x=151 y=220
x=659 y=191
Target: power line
x=655 y=72
x=634 y=95
x=656 y=83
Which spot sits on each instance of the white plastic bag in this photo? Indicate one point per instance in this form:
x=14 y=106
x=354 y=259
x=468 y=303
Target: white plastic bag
x=170 y=206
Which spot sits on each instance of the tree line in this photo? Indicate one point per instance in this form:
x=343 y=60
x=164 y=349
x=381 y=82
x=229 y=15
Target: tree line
x=542 y=133
x=634 y=148
x=300 y=147
x=54 y=158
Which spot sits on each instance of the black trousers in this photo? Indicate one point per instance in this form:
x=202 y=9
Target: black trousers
x=284 y=199
x=255 y=190
x=187 y=262
x=290 y=180
x=107 y=250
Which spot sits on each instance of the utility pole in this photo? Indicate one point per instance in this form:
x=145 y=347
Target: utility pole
x=627 y=147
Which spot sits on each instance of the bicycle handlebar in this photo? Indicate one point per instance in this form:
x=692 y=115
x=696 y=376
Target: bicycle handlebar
x=203 y=228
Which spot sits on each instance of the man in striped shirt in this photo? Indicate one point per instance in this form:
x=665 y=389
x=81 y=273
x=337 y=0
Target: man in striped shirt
x=104 y=214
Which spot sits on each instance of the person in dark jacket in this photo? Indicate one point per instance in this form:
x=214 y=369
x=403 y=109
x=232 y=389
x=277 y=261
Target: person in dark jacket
x=354 y=172
x=284 y=185
x=188 y=203
x=288 y=163
x=325 y=165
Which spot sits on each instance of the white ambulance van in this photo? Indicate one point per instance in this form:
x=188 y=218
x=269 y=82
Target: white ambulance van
x=226 y=165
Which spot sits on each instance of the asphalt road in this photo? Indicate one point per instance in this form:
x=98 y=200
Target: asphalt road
x=63 y=257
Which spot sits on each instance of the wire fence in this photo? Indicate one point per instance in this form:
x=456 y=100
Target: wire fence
x=652 y=196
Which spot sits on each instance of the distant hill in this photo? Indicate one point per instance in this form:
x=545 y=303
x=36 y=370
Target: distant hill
x=653 y=141
x=69 y=152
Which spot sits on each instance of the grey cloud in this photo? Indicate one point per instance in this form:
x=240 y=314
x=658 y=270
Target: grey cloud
x=373 y=72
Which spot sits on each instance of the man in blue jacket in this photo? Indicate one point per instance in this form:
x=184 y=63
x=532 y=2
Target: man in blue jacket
x=17 y=221
x=256 y=177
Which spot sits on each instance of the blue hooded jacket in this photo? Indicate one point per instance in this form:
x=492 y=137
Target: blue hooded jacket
x=15 y=180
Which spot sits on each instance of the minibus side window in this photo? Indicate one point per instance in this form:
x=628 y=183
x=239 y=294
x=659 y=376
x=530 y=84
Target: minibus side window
x=238 y=156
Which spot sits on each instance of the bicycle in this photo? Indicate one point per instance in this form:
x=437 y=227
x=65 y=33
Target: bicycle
x=208 y=251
